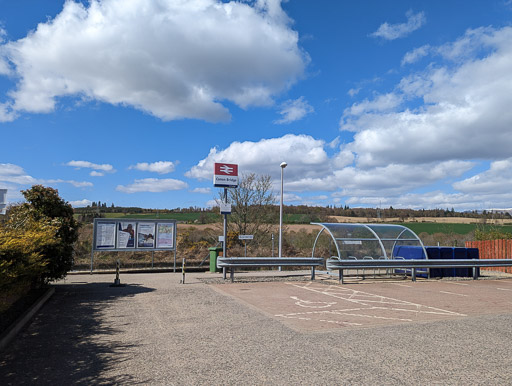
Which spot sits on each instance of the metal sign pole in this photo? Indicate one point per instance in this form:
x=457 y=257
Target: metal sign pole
x=225 y=223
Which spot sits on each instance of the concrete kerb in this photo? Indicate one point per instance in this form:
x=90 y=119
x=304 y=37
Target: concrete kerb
x=24 y=319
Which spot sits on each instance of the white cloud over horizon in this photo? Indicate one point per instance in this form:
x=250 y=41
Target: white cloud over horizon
x=15 y=175
x=80 y=203
x=251 y=51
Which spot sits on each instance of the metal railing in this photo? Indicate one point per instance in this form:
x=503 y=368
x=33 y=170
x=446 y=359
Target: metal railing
x=246 y=262
x=414 y=264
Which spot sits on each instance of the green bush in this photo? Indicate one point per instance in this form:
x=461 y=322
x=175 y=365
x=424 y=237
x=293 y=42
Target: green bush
x=44 y=209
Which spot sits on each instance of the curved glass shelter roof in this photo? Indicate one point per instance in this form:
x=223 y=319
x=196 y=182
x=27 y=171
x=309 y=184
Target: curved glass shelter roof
x=360 y=241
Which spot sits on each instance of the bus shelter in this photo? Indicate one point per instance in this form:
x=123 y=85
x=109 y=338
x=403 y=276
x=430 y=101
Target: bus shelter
x=367 y=241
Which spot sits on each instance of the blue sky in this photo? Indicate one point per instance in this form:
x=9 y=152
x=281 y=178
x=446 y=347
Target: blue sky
x=133 y=101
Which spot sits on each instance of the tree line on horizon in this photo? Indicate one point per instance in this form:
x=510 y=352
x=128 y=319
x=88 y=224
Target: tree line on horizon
x=314 y=213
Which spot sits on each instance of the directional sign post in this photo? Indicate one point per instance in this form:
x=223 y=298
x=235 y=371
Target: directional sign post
x=245 y=238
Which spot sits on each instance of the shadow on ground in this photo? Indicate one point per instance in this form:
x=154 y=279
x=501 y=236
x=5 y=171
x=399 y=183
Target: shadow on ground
x=70 y=341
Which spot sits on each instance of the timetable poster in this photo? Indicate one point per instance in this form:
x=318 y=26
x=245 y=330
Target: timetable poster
x=105 y=235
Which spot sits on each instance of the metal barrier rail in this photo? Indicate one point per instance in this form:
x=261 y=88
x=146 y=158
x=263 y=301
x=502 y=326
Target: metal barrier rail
x=333 y=264
x=244 y=262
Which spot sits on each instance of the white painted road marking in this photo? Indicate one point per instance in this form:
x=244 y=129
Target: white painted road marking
x=309 y=304
x=452 y=293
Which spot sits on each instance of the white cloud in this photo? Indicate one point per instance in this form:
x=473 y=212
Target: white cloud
x=415 y=55
x=94 y=173
x=193 y=54
x=392 y=179
x=160 y=167
x=304 y=154
x=395 y=31
x=290 y=197
x=435 y=199
x=15 y=174
x=381 y=103
x=326 y=173
x=154 y=185
x=202 y=190
x=294 y=110
x=497 y=179
x=76 y=184
x=89 y=165
x=354 y=91
x=464 y=110
x=211 y=203
x=80 y=203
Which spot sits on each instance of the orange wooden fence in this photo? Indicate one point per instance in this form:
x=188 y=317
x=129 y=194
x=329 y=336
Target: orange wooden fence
x=493 y=249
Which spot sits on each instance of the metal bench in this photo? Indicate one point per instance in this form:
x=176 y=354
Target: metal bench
x=246 y=262
x=413 y=264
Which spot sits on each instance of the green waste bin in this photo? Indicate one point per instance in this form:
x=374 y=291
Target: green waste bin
x=214 y=253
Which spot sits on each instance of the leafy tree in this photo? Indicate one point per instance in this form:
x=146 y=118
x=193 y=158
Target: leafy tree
x=45 y=206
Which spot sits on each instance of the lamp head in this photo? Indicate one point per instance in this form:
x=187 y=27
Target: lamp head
x=283 y=165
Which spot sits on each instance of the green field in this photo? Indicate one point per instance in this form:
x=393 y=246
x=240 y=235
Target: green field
x=461 y=229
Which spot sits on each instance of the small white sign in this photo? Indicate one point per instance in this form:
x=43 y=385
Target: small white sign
x=245 y=237
x=352 y=242
x=221 y=239
x=3 y=195
x=225 y=208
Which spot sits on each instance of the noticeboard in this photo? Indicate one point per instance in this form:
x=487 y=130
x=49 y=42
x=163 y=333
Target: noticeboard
x=124 y=234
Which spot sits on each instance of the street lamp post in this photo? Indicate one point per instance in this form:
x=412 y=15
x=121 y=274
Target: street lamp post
x=283 y=165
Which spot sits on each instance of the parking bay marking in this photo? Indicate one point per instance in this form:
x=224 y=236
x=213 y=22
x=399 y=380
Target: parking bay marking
x=376 y=302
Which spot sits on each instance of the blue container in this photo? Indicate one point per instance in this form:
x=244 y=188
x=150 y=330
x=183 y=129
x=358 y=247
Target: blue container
x=434 y=253
x=459 y=254
x=410 y=252
x=447 y=254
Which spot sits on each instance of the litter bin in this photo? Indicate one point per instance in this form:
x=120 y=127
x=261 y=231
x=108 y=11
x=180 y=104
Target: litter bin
x=214 y=253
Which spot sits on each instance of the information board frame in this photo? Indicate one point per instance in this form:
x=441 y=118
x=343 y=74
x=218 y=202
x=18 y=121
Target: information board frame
x=106 y=235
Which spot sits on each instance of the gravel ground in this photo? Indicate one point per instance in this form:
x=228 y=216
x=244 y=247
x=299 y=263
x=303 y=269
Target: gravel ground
x=160 y=332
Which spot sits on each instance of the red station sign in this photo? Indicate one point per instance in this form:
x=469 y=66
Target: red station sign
x=225 y=175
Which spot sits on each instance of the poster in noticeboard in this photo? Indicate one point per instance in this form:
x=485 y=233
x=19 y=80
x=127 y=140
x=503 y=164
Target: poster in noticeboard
x=126 y=235
x=105 y=235
x=165 y=236
x=146 y=235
